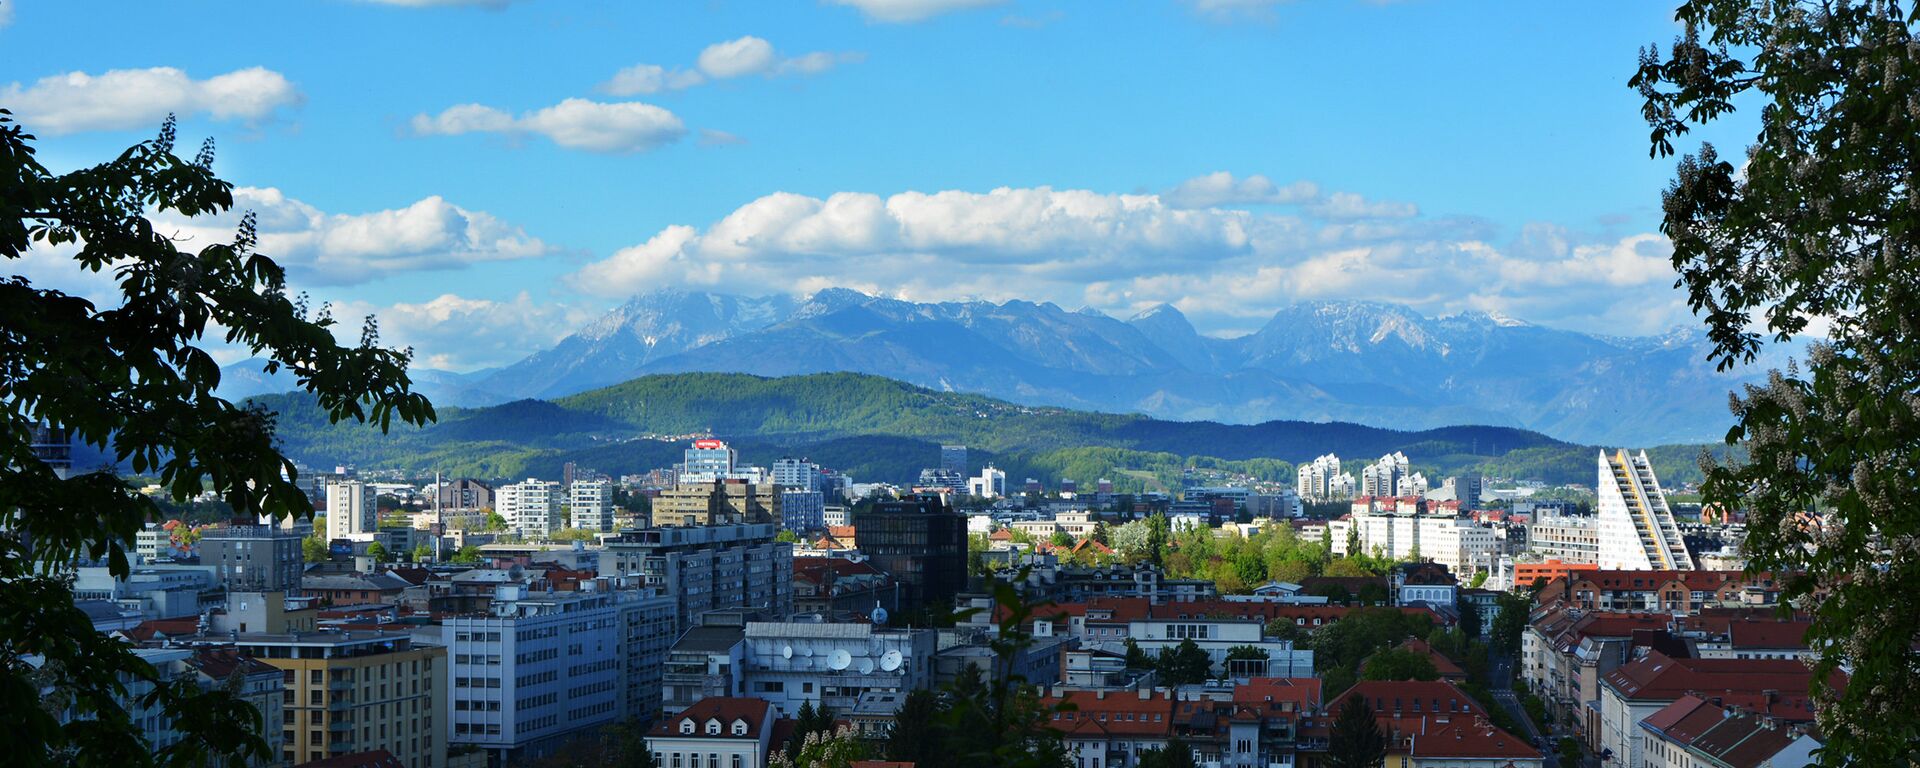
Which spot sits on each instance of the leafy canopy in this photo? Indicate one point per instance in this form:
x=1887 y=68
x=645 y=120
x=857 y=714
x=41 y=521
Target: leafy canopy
x=131 y=376
x=1812 y=232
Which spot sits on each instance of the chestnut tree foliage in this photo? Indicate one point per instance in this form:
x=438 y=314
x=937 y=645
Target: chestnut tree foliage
x=133 y=374
x=1812 y=233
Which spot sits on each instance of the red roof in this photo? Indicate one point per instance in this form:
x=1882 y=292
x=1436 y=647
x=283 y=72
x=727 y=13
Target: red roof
x=726 y=709
x=1441 y=663
x=1302 y=692
x=1434 y=719
x=1117 y=713
x=1659 y=677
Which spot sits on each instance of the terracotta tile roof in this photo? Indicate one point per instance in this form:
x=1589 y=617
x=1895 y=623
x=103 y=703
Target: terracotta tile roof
x=1302 y=692
x=726 y=709
x=223 y=663
x=1768 y=634
x=1732 y=738
x=843 y=531
x=1434 y=719
x=1387 y=697
x=1660 y=677
x=1119 y=713
x=1441 y=663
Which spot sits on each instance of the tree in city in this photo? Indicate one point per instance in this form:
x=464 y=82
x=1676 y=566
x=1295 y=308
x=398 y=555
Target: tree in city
x=378 y=552
x=314 y=549
x=1159 y=532
x=1509 y=621
x=823 y=749
x=467 y=555
x=1176 y=754
x=1810 y=234
x=787 y=536
x=806 y=722
x=915 y=737
x=1183 y=664
x=1470 y=620
x=1061 y=539
x=1396 y=664
x=422 y=553
x=999 y=719
x=494 y=522
x=1137 y=658
x=1357 y=741
x=129 y=372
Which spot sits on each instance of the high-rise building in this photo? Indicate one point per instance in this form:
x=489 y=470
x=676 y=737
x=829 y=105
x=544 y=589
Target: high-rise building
x=717 y=502
x=465 y=494
x=590 y=504
x=348 y=692
x=352 y=511
x=707 y=461
x=647 y=632
x=920 y=541
x=991 y=483
x=54 y=446
x=1322 y=480
x=953 y=458
x=708 y=567
x=802 y=511
x=531 y=506
x=796 y=474
x=1636 y=528
x=536 y=671
x=1390 y=476
x=934 y=477
x=255 y=558
x=1400 y=530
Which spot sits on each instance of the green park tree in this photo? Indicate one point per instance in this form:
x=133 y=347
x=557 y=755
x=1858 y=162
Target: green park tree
x=1809 y=234
x=313 y=549
x=378 y=552
x=132 y=375
x=1357 y=741
x=1396 y=664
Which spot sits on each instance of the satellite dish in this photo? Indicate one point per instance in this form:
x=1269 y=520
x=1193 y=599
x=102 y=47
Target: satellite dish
x=807 y=650
x=891 y=661
x=866 y=666
x=879 y=615
x=840 y=660
x=786 y=651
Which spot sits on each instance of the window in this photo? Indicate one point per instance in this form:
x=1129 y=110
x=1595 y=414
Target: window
x=739 y=727
x=713 y=727
x=686 y=726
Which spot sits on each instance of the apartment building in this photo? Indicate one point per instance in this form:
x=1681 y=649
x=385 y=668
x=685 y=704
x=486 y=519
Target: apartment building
x=531 y=507
x=347 y=692
x=707 y=567
x=536 y=671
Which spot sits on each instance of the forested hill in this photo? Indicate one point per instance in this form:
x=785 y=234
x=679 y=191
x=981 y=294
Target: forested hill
x=880 y=429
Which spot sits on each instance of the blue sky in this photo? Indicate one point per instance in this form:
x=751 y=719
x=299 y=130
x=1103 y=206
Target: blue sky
x=482 y=176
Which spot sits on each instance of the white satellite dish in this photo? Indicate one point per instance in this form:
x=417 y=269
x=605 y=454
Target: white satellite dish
x=806 y=650
x=879 y=615
x=866 y=666
x=840 y=660
x=891 y=661
x=786 y=651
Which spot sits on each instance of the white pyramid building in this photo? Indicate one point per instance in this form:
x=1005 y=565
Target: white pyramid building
x=1636 y=527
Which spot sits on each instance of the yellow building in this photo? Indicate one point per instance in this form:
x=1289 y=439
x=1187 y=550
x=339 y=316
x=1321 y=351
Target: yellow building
x=347 y=692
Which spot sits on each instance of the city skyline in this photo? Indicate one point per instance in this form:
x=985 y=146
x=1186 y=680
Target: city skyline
x=459 y=192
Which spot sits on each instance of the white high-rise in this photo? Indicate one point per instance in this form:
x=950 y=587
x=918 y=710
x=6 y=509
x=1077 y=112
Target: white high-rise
x=796 y=475
x=352 y=511
x=1636 y=528
x=1390 y=477
x=590 y=504
x=531 y=507
x=1322 y=480
x=991 y=483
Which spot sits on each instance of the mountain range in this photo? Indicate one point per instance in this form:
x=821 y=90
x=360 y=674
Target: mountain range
x=880 y=429
x=1362 y=362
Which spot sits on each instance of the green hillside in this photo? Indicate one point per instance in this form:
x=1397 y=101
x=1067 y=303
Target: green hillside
x=885 y=430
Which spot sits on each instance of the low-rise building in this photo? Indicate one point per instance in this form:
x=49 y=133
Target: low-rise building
x=1699 y=733
x=717 y=732
x=1436 y=725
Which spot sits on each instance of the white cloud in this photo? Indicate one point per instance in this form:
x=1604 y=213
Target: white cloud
x=1347 y=205
x=748 y=55
x=1221 y=188
x=726 y=60
x=710 y=137
x=1227 y=268
x=457 y=333
x=6 y=12
x=619 y=127
x=907 y=11
x=650 y=78
x=319 y=248
x=141 y=98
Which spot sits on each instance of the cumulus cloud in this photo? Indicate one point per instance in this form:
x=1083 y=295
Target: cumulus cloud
x=1228 y=269
x=457 y=333
x=619 y=127
x=320 y=248
x=740 y=57
x=908 y=11
x=141 y=98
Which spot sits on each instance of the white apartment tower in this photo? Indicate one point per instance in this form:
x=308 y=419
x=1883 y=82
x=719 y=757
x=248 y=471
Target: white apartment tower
x=590 y=503
x=1322 y=480
x=1636 y=528
x=352 y=511
x=991 y=483
x=531 y=507
x=796 y=475
x=1390 y=477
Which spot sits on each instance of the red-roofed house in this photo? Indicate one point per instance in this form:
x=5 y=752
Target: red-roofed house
x=718 y=730
x=1693 y=731
x=1431 y=724
x=1772 y=687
